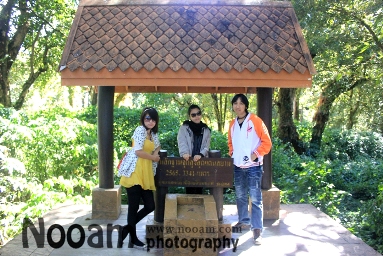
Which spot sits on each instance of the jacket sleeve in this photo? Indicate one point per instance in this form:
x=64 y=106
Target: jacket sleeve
x=139 y=137
x=262 y=132
x=182 y=140
x=205 y=146
x=229 y=141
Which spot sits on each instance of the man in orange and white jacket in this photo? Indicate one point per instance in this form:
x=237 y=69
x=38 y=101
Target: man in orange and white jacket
x=248 y=141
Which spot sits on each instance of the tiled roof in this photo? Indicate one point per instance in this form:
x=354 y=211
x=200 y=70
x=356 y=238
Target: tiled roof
x=182 y=36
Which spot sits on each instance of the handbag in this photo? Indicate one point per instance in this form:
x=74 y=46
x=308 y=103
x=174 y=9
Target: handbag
x=122 y=158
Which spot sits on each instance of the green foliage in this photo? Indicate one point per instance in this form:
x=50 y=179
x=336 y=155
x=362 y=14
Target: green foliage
x=305 y=180
x=350 y=144
x=371 y=227
x=219 y=142
x=51 y=145
x=23 y=196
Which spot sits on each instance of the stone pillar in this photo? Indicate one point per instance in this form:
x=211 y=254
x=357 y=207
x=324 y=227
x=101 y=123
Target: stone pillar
x=106 y=199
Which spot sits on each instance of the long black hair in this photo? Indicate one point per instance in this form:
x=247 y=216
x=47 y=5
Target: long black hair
x=152 y=112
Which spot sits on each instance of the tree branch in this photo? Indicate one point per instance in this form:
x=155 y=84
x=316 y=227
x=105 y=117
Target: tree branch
x=31 y=79
x=342 y=11
x=20 y=34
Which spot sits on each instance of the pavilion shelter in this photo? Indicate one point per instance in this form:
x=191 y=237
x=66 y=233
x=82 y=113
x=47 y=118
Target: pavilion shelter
x=173 y=46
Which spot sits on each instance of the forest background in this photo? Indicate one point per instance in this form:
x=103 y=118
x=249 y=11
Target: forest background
x=327 y=140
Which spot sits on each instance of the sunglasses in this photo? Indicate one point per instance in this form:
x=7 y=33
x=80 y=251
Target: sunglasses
x=148 y=118
x=196 y=114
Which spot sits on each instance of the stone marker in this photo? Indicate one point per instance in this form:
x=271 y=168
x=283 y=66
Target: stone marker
x=190 y=222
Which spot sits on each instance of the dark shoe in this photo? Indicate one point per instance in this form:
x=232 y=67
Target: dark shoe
x=237 y=228
x=136 y=244
x=122 y=234
x=257 y=238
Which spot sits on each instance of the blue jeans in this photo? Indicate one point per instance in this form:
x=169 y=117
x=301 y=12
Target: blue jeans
x=248 y=180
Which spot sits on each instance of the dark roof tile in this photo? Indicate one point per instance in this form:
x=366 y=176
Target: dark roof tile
x=188 y=66
x=206 y=59
x=111 y=66
x=181 y=59
x=136 y=66
x=239 y=67
x=118 y=59
x=150 y=52
x=226 y=66
x=124 y=65
x=251 y=67
x=213 y=66
x=248 y=53
x=162 y=66
x=149 y=66
x=244 y=60
x=256 y=60
x=219 y=60
x=138 y=52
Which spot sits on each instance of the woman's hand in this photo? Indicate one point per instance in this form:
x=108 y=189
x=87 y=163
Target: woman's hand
x=156 y=158
x=196 y=158
x=186 y=156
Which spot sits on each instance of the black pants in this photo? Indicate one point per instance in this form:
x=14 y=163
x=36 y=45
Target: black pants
x=193 y=190
x=135 y=194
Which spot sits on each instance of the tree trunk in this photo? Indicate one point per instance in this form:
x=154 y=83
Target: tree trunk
x=93 y=96
x=296 y=106
x=5 y=91
x=10 y=47
x=214 y=96
x=219 y=106
x=120 y=97
x=329 y=94
x=287 y=130
x=320 y=118
x=352 y=114
x=70 y=95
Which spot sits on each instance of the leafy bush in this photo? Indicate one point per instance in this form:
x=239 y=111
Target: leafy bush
x=349 y=145
x=51 y=146
x=371 y=227
x=304 y=179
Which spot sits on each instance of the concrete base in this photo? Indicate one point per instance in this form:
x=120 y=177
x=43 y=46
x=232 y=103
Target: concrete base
x=271 y=203
x=188 y=219
x=224 y=228
x=156 y=230
x=106 y=203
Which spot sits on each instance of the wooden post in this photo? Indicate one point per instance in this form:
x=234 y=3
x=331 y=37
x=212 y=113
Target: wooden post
x=264 y=107
x=160 y=195
x=217 y=192
x=105 y=136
